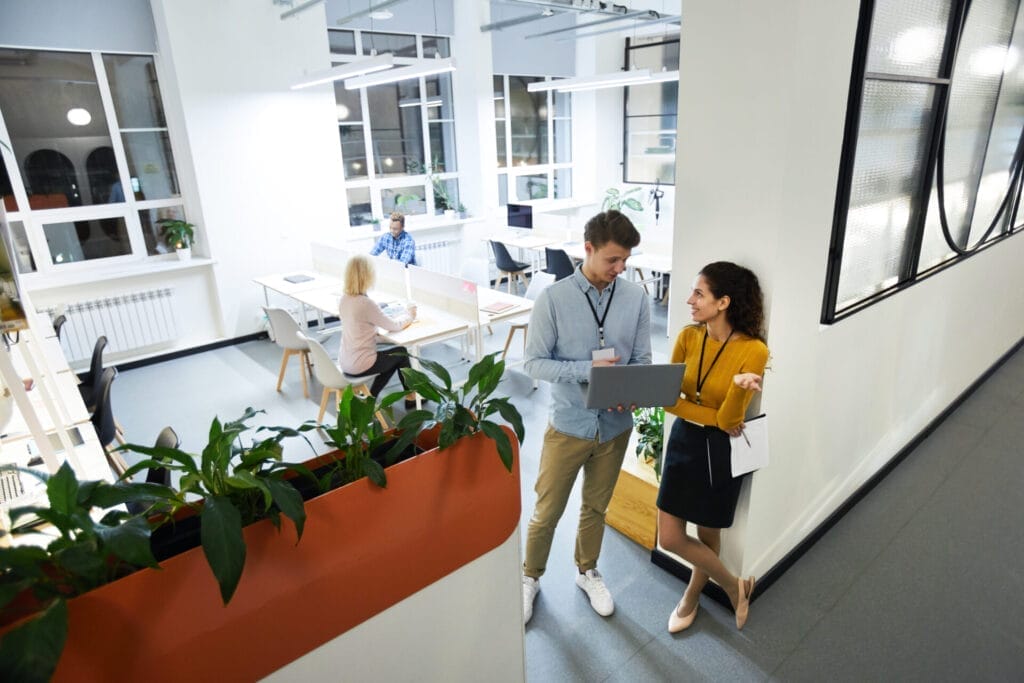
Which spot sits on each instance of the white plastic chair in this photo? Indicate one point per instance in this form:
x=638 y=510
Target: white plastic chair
x=284 y=328
x=538 y=282
x=333 y=379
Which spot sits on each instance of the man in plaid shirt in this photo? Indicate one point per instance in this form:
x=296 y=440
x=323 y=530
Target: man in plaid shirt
x=399 y=244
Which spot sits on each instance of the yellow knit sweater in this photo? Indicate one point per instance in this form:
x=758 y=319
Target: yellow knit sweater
x=723 y=404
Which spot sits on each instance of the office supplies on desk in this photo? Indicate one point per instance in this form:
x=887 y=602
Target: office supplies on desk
x=297 y=278
x=498 y=307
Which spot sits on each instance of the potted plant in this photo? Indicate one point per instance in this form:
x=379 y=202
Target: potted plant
x=649 y=425
x=179 y=235
x=616 y=200
x=87 y=551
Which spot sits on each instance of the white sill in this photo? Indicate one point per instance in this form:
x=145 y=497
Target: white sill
x=153 y=265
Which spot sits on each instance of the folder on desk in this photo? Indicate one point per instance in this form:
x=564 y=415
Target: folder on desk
x=297 y=278
x=498 y=307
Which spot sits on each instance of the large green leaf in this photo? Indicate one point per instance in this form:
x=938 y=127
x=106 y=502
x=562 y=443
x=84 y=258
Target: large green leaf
x=83 y=559
x=439 y=371
x=130 y=542
x=376 y=473
x=12 y=589
x=632 y=204
x=30 y=652
x=500 y=438
x=289 y=500
x=223 y=545
x=62 y=490
x=511 y=415
x=22 y=560
x=172 y=458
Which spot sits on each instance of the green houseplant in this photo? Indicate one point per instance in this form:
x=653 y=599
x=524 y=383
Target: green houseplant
x=84 y=554
x=179 y=235
x=464 y=409
x=649 y=424
x=616 y=200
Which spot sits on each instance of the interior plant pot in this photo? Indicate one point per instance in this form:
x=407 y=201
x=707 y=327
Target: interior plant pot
x=184 y=253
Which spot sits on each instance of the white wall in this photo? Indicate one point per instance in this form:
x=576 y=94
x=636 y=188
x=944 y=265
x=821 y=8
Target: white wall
x=763 y=90
x=267 y=161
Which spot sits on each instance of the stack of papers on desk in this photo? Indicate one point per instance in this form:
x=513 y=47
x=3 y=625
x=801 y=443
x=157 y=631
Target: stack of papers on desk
x=498 y=307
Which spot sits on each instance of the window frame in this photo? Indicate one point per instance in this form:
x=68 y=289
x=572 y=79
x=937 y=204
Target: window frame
x=909 y=273
x=34 y=220
x=629 y=47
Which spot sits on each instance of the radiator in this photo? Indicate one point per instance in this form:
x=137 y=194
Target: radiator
x=133 y=323
x=437 y=256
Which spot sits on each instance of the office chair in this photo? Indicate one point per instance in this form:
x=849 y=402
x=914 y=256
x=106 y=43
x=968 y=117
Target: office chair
x=334 y=380
x=104 y=424
x=538 y=282
x=167 y=438
x=508 y=266
x=58 y=323
x=283 y=328
x=558 y=263
x=89 y=382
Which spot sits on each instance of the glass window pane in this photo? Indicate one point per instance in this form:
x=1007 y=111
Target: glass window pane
x=532 y=186
x=651 y=149
x=656 y=99
x=353 y=151
x=563 y=105
x=152 y=231
x=347 y=102
x=499 y=97
x=133 y=86
x=446 y=195
x=22 y=251
x=563 y=140
x=151 y=165
x=892 y=147
x=502 y=189
x=360 y=211
x=442 y=146
x=529 y=122
x=409 y=200
x=40 y=94
x=396 y=132
x=907 y=36
x=399 y=45
x=341 y=42
x=436 y=45
x=501 y=144
x=87 y=240
x=563 y=183
x=440 y=86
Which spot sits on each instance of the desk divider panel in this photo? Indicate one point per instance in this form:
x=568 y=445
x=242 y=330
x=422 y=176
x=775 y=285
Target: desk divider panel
x=392 y=277
x=451 y=294
x=329 y=259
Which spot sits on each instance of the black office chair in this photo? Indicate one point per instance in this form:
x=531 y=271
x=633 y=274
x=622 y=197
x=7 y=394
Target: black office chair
x=105 y=425
x=90 y=381
x=507 y=265
x=167 y=438
x=558 y=263
x=58 y=323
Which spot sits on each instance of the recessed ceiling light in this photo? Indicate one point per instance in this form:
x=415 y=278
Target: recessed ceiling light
x=79 y=116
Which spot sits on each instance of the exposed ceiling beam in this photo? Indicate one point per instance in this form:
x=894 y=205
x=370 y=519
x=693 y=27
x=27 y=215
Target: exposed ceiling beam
x=662 y=20
x=498 y=25
x=303 y=6
x=629 y=15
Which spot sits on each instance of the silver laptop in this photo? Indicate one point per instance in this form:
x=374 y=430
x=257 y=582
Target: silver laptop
x=644 y=386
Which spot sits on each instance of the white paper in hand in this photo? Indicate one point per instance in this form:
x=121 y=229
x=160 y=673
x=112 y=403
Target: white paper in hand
x=750 y=449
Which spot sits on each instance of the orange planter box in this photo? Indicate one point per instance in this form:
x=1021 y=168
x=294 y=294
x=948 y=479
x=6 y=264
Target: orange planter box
x=364 y=549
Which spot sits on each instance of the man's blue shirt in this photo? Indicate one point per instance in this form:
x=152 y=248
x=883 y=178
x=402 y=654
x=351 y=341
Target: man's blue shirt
x=561 y=337
x=402 y=249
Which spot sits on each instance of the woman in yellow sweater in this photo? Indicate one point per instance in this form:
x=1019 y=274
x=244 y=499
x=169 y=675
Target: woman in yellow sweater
x=725 y=357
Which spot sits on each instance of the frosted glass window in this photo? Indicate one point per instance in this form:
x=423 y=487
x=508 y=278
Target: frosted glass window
x=892 y=148
x=907 y=37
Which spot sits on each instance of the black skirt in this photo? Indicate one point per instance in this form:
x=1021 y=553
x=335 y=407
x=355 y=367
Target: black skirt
x=696 y=478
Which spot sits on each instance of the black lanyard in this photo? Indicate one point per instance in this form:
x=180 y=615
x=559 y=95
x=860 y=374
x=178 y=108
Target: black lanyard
x=700 y=366
x=600 y=321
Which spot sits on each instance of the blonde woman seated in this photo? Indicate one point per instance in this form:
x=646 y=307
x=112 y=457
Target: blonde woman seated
x=360 y=317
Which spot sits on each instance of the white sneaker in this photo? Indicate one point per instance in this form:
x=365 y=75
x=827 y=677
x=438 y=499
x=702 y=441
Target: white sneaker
x=593 y=585
x=531 y=587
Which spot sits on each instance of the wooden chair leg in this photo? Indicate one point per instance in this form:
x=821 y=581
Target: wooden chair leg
x=303 y=364
x=508 y=279
x=284 y=365
x=323 y=403
x=117 y=463
x=508 y=341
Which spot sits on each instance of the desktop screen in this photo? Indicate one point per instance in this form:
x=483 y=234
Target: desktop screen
x=520 y=216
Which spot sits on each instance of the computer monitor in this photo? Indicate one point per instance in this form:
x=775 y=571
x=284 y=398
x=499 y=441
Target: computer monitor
x=520 y=216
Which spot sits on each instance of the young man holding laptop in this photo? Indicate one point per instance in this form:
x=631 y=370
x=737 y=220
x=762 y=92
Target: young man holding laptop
x=589 y=319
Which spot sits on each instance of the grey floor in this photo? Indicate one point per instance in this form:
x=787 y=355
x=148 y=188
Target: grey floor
x=922 y=580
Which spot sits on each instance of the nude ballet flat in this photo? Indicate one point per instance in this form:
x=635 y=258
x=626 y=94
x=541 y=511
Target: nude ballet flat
x=743 y=606
x=677 y=623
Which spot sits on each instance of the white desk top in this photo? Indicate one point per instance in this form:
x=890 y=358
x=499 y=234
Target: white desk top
x=488 y=297
x=277 y=282
x=529 y=240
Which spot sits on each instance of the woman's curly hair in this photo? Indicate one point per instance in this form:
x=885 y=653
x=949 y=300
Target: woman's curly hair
x=746 y=308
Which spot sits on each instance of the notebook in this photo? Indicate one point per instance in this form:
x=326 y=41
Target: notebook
x=645 y=386
x=498 y=307
x=297 y=278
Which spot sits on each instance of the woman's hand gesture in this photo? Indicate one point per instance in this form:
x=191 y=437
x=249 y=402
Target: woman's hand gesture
x=747 y=380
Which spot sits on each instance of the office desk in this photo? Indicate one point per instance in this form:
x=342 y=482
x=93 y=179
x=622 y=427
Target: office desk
x=276 y=282
x=325 y=299
x=526 y=240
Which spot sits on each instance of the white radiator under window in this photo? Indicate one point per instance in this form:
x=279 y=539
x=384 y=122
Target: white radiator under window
x=133 y=323
x=437 y=256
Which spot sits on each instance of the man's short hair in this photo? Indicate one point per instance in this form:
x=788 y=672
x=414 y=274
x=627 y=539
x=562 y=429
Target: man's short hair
x=611 y=226
x=398 y=216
